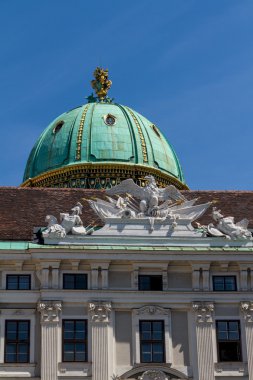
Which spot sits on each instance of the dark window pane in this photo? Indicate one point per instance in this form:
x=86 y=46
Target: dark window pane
x=81 y=281
x=74 y=281
x=229 y=352
x=17 y=341
x=12 y=282
x=157 y=352
x=24 y=282
x=224 y=283
x=146 y=352
x=228 y=339
x=150 y=282
x=18 y=282
x=152 y=341
x=68 y=281
x=74 y=340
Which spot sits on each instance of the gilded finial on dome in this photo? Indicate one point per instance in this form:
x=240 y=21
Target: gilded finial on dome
x=101 y=83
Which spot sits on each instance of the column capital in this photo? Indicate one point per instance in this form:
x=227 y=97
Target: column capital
x=204 y=311
x=100 y=311
x=50 y=311
x=247 y=310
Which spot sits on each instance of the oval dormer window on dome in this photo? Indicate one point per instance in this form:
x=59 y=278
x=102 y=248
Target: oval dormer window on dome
x=109 y=119
x=155 y=129
x=58 y=126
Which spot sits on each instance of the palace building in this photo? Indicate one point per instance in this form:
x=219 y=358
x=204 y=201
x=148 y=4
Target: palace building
x=111 y=268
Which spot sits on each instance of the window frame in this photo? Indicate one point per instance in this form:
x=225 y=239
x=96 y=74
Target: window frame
x=152 y=341
x=239 y=342
x=150 y=276
x=18 y=272
x=74 y=274
x=8 y=275
x=224 y=276
x=16 y=341
x=86 y=341
x=152 y=313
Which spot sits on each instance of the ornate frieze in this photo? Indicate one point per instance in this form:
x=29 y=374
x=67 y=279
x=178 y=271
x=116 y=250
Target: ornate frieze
x=50 y=311
x=100 y=311
x=247 y=310
x=153 y=374
x=204 y=311
x=152 y=310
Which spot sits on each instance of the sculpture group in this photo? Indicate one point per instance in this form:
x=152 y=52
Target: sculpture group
x=132 y=209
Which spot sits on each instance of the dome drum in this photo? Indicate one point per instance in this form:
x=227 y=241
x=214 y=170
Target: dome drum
x=100 y=176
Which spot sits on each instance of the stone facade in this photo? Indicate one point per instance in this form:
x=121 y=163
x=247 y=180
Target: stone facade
x=114 y=307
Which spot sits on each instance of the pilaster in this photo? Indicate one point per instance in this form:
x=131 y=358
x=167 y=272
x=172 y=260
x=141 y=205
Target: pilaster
x=50 y=314
x=247 y=312
x=196 y=277
x=100 y=316
x=204 y=319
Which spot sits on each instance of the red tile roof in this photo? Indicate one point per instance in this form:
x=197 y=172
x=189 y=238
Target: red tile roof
x=22 y=209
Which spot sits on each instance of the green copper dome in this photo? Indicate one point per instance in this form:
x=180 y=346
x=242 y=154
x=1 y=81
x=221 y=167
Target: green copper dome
x=99 y=144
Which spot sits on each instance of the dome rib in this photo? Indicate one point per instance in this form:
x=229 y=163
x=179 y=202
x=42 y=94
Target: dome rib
x=89 y=152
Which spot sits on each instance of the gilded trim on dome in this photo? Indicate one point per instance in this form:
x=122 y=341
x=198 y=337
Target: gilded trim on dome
x=100 y=176
x=143 y=143
x=80 y=134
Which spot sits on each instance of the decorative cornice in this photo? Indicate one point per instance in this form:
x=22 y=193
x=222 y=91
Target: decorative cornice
x=204 y=311
x=114 y=171
x=50 y=311
x=152 y=310
x=247 y=311
x=100 y=311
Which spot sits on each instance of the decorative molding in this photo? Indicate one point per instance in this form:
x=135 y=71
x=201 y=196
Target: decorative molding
x=153 y=374
x=204 y=311
x=50 y=311
x=80 y=133
x=247 y=310
x=143 y=143
x=100 y=175
x=152 y=310
x=237 y=368
x=100 y=311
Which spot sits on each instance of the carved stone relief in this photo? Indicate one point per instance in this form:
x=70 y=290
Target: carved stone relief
x=50 y=311
x=247 y=310
x=204 y=311
x=100 y=311
x=152 y=310
x=153 y=375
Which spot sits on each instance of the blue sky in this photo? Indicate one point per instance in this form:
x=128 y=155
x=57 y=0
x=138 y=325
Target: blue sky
x=187 y=65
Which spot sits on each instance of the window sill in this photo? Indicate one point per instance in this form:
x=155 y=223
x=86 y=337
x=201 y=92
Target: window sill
x=230 y=369
x=69 y=369
x=17 y=369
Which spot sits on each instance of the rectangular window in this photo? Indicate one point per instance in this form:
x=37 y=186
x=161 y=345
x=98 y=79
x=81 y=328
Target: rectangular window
x=152 y=342
x=75 y=281
x=150 y=282
x=224 y=283
x=229 y=341
x=18 y=281
x=17 y=341
x=75 y=343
